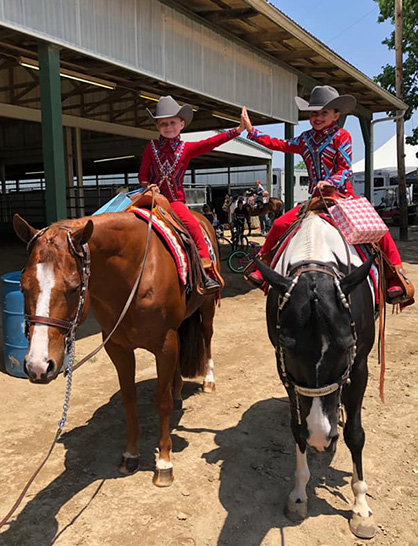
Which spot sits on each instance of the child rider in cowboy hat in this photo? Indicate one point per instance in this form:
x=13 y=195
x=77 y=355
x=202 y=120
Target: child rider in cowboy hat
x=326 y=151
x=164 y=165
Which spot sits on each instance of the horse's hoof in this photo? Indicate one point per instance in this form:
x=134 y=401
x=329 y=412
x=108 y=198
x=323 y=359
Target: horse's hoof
x=177 y=404
x=129 y=464
x=163 y=477
x=362 y=527
x=209 y=387
x=296 y=511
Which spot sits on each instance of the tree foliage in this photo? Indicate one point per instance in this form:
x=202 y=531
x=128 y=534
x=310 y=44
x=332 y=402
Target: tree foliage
x=410 y=55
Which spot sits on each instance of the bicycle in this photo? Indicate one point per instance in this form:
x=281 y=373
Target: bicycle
x=239 y=259
x=227 y=246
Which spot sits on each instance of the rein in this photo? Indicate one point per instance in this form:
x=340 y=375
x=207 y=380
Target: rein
x=70 y=327
x=288 y=380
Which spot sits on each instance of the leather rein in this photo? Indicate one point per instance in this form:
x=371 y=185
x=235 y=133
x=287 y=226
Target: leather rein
x=288 y=381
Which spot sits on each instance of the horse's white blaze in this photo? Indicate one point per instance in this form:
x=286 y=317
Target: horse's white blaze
x=319 y=426
x=210 y=377
x=302 y=475
x=38 y=354
x=359 y=488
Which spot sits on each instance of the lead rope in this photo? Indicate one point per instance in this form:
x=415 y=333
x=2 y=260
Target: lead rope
x=70 y=368
x=61 y=424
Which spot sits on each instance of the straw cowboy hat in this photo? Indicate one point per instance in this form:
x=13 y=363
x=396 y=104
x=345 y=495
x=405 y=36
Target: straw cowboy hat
x=325 y=96
x=167 y=107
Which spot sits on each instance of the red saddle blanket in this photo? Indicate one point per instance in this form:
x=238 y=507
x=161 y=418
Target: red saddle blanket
x=361 y=250
x=170 y=240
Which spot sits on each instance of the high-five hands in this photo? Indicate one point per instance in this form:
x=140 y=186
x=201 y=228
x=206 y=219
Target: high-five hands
x=245 y=119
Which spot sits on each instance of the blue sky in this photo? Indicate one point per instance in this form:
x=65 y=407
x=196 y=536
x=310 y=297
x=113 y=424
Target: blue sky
x=351 y=29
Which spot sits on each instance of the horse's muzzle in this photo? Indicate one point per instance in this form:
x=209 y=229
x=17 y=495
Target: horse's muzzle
x=40 y=378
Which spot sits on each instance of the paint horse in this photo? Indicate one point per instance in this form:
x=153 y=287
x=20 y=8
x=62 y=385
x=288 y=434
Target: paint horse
x=176 y=330
x=320 y=320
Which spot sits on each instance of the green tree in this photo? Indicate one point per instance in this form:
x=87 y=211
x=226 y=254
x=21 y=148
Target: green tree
x=300 y=165
x=410 y=56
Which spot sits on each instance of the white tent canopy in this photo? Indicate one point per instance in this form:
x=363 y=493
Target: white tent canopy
x=384 y=158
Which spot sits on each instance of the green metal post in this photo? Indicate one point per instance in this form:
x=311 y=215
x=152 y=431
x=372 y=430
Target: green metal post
x=289 y=171
x=366 y=128
x=52 y=133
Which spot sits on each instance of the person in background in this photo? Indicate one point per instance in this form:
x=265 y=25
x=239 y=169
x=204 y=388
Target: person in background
x=264 y=219
x=209 y=214
x=164 y=164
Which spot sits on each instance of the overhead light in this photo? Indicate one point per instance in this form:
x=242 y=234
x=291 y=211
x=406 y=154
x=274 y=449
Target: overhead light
x=113 y=158
x=36 y=172
x=65 y=73
x=221 y=116
x=149 y=96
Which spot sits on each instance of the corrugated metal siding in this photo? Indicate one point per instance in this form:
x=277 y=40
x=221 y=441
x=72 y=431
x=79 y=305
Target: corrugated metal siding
x=151 y=38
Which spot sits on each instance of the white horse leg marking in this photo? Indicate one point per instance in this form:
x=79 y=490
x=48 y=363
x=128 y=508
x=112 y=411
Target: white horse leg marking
x=319 y=426
x=210 y=377
x=302 y=475
x=161 y=464
x=38 y=354
x=359 y=488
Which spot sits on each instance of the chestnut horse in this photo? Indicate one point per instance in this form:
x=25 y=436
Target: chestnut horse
x=176 y=329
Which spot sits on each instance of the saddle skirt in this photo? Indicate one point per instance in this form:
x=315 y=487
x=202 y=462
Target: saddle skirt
x=179 y=243
x=317 y=239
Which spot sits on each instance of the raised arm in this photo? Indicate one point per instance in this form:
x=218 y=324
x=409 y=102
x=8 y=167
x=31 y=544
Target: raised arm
x=292 y=146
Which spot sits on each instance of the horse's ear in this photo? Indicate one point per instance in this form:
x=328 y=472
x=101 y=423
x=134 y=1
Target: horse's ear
x=275 y=280
x=23 y=230
x=82 y=235
x=357 y=276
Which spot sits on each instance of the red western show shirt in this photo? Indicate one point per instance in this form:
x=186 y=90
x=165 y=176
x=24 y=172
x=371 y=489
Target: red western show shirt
x=165 y=161
x=326 y=153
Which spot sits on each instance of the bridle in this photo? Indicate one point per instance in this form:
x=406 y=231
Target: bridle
x=288 y=381
x=70 y=326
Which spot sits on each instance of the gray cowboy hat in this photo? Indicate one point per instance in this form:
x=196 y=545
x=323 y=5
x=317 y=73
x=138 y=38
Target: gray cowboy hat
x=325 y=96
x=167 y=107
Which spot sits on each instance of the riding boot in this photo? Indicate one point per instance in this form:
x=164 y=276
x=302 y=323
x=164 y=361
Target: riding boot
x=399 y=287
x=210 y=284
x=253 y=276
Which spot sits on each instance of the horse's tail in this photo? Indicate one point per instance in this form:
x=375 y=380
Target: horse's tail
x=192 y=346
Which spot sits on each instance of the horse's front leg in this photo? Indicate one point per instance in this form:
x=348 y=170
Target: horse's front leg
x=167 y=362
x=124 y=361
x=207 y=313
x=362 y=523
x=297 y=502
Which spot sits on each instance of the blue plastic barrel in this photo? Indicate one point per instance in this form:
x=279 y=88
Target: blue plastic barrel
x=15 y=342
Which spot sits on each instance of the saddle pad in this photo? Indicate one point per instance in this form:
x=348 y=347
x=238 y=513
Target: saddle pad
x=362 y=251
x=169 y=239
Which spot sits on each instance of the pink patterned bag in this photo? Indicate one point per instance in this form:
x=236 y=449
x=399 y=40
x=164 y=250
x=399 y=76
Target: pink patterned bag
x=358 y=221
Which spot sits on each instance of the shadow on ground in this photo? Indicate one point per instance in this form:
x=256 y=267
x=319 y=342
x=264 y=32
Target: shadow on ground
x=254 y=478
x=93 y=453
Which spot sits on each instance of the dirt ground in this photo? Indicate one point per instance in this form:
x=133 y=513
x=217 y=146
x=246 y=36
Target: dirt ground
x=233 y=451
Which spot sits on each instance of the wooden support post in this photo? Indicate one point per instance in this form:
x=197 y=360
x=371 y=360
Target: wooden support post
x=79 y=173
x=400 y=130
x=366 y=130
x=289 y=170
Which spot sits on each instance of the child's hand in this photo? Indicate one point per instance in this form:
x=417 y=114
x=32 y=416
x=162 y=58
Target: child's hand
x=323 y=183
x=245 y=119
